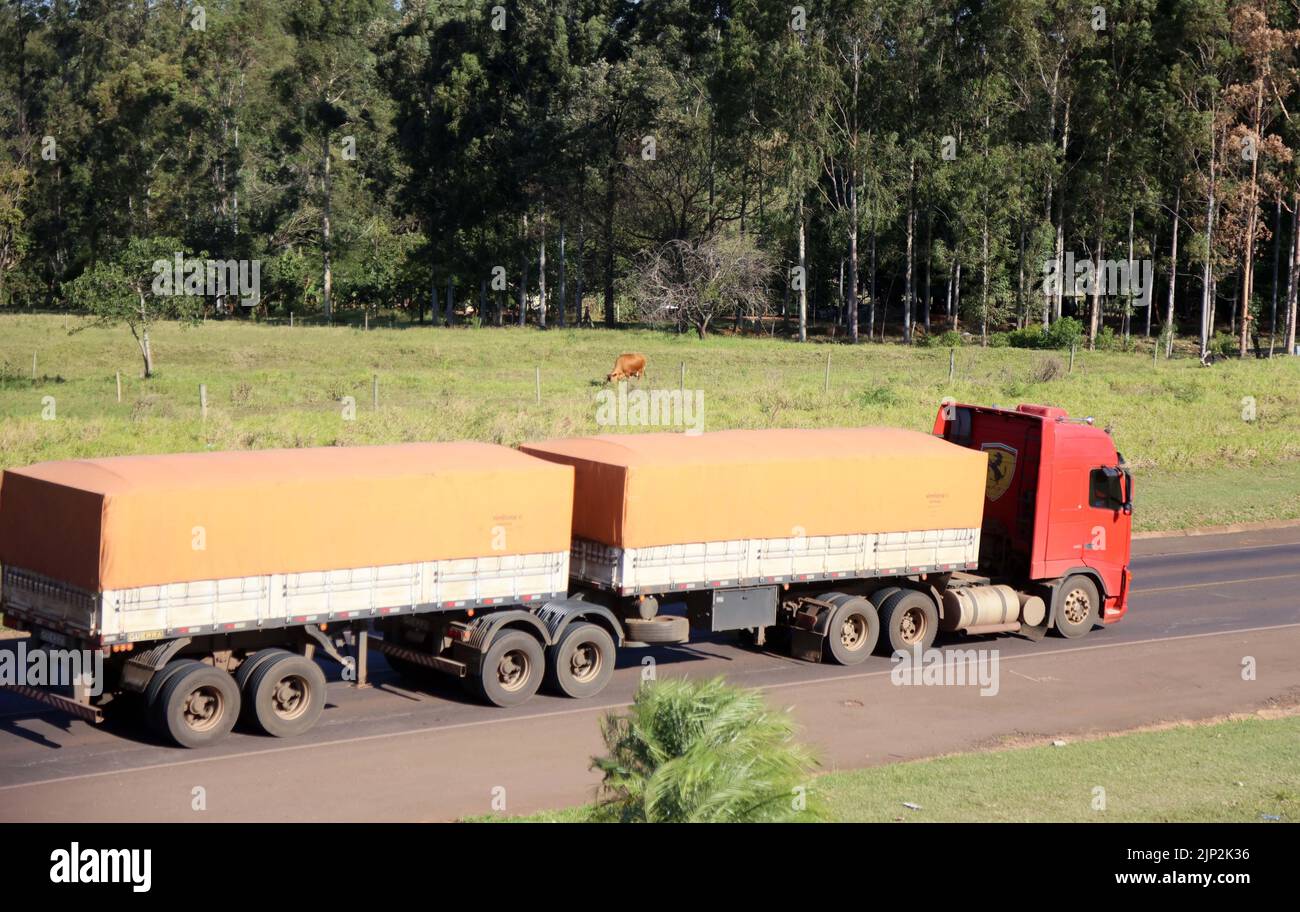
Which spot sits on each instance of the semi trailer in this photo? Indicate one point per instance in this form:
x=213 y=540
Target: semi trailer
x=210 y=583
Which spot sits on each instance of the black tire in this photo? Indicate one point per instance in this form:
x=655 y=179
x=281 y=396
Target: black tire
x=1076 y=607
x=286 y=695
x=664 y=628
x=582 y=662
x=907 y=619
x=853 y=631
x=878 y=597
x=198 y=706
x=251 y=664
x=152 y=712
x=512 y=669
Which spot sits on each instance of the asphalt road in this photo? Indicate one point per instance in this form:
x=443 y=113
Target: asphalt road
x=1200 y=606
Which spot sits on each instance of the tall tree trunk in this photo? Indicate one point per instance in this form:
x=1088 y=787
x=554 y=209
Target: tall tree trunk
x=1058 y=298
x=523 y=275
x=1151 y=292
x=611 y=197
x=929 y=262
x=541 y=276
x=956 y=300
x=578 y=310
x=1252 y=227
x=1207 y=273
x=1128 y=296
x=1293 y=284
x=984 y=279
x=952 y=269
x=1277 y=261
x=853 y=263
x=871 y=309
x=803 y=276
x=327 y=279
x=1022 y=301
x=908 y=259
x=449 y=317
x=1173 y=274
x=562 y=290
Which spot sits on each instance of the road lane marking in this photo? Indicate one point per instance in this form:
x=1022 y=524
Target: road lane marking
x=360 y=739
x=1231 y=582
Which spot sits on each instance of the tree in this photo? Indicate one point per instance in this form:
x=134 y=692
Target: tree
x=703 y=752
x=327 y=88
x=692 y=283
x=137 y=287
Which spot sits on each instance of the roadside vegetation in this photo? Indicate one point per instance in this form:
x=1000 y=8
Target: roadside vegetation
x=1180 y=425
x=703 y=752
x=1240 y=771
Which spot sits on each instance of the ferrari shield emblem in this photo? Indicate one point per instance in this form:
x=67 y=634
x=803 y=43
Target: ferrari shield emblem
x=1002 y=468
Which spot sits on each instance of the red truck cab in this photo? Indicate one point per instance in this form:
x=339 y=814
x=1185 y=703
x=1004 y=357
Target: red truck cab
x=1058 y=503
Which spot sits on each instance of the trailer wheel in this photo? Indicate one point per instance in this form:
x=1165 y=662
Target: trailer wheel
x=852 y=632
x=157 y=683
x=1078 y=605
x=251 y=664
x=581 y=664
x=286 y=695
x=908 y=619
x=198 y=706
x=878 y=597
x=511 y=671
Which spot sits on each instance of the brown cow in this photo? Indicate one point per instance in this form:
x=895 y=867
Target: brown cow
x=629 y=364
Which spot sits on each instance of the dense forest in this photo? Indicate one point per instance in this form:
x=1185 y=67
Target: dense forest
x=865 y=168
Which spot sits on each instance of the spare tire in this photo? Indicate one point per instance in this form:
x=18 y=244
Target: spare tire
x=664 y=628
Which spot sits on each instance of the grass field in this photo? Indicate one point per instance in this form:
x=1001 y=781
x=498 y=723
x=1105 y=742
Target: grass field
x=1179 y=425
x=1237 y=771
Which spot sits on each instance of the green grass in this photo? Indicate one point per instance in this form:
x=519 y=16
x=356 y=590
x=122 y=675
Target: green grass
x=1237 y=771
x=1178 y=424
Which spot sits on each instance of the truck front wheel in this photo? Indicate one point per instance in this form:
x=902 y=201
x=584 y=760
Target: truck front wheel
x=511 y=670
x=581 y=664
x=1078 y=605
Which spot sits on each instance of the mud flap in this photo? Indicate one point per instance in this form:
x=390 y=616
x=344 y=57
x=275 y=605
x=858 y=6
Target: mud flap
x=806 y=644
x=1033 y=633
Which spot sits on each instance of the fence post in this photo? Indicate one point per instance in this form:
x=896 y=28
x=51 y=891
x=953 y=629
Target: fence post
x=537 y=382
x=203 y=401
x=119 y=386
x=374 y=390
x=682 y=382
x=33 y=366
x=828 y=372
x=1072 y=357
x=952 y=364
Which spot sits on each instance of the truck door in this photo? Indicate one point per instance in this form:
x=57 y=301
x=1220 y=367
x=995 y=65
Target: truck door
x=1109 y=506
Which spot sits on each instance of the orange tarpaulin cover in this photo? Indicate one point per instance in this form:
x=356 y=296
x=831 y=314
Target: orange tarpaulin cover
x=132 y=521
x=640 y=490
